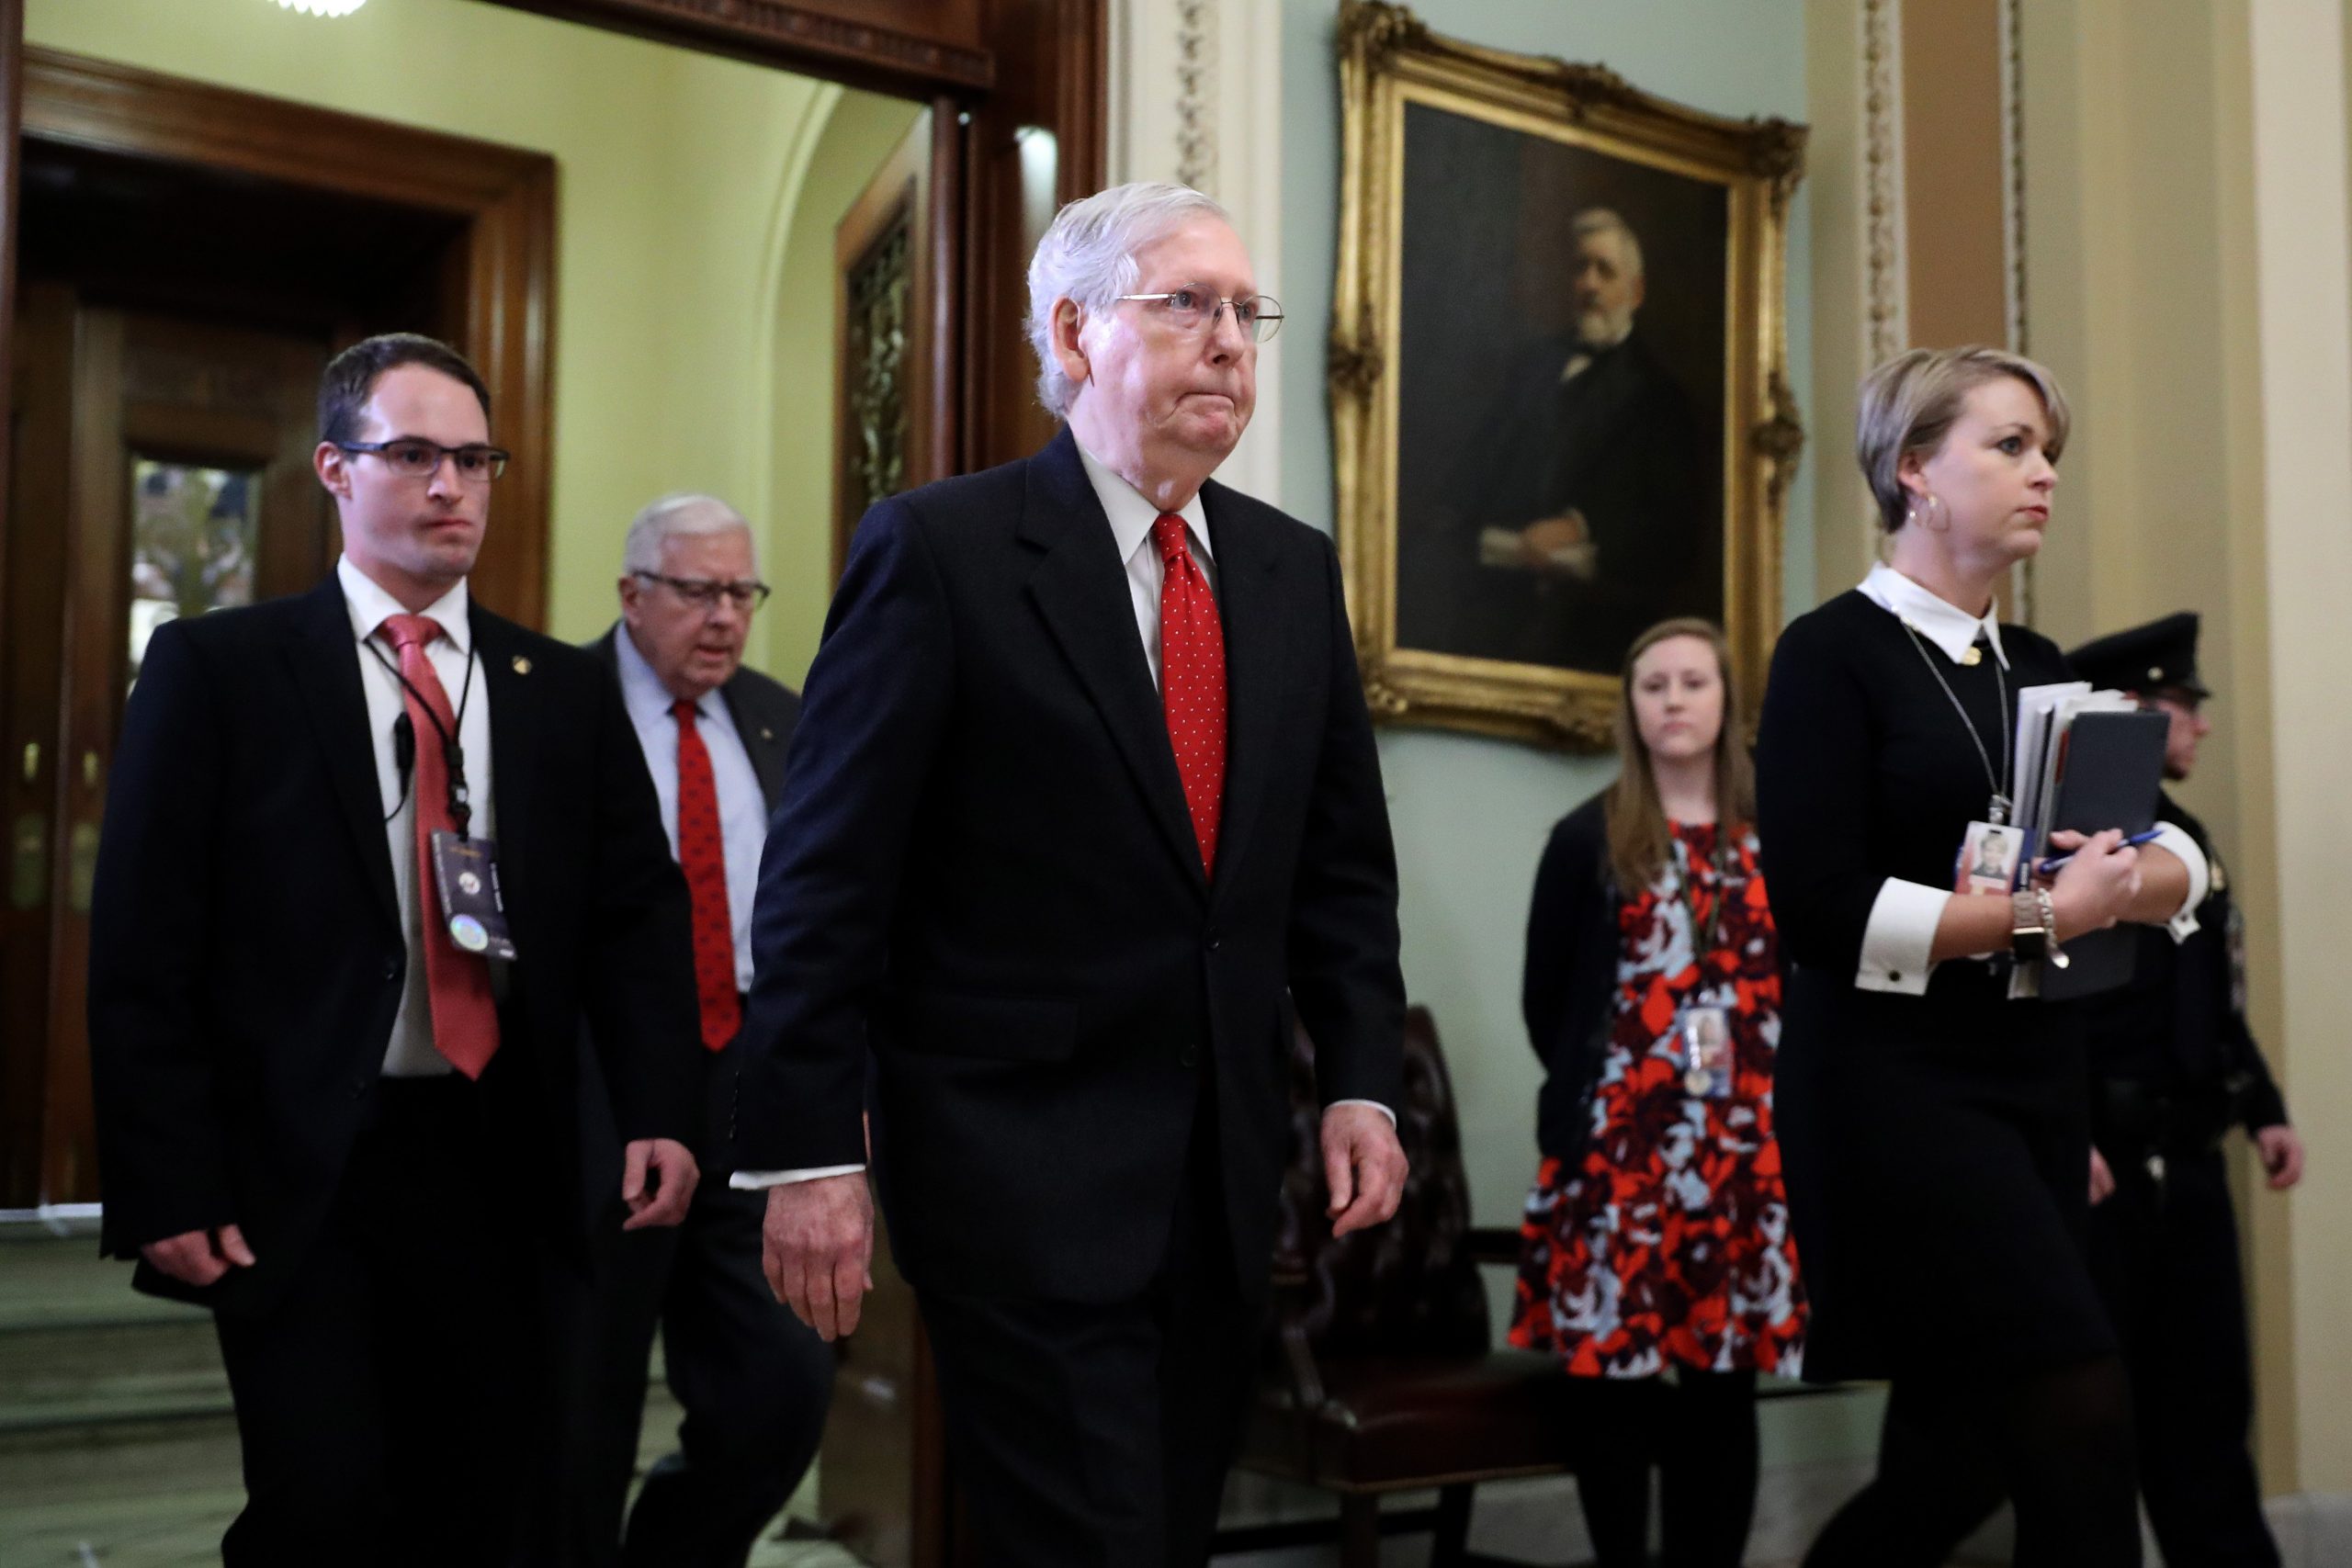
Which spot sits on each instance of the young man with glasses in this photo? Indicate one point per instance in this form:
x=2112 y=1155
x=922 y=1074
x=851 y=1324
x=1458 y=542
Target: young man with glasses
x=382 y=891
x=753 y=1380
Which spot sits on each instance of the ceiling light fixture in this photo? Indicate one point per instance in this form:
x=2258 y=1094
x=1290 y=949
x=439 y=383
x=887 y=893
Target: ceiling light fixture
x=323 y=7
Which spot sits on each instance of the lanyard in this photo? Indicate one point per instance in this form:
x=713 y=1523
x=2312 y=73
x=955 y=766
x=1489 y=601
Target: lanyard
x=1998 y=811
x=1686 y=895
x=453 y=754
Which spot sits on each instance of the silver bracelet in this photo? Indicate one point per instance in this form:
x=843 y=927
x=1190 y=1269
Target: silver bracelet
x=2054 y=954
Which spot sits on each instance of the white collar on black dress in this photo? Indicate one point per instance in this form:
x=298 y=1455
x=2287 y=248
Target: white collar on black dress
x=1946 y=625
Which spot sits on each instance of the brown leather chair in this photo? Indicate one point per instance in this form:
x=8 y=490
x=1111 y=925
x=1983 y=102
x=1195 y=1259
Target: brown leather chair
x=1382 y=1373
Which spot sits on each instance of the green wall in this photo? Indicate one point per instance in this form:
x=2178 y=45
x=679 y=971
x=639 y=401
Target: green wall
x=682 y=180
x=1471 y=815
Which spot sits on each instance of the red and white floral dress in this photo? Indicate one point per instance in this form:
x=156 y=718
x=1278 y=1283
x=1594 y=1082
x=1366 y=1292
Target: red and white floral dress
x=1668 y=1244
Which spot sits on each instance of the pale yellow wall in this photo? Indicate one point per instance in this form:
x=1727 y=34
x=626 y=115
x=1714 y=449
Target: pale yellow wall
x=678 y=178
x=2188 y=280
x=1845 y=529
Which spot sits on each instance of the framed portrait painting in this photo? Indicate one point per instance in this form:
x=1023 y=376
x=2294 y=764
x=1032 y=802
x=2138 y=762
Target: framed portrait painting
x=1560 y=405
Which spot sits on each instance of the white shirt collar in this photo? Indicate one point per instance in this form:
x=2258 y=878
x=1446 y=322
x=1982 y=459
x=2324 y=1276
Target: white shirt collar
x=640 y=687
x=370 y=606
x=1946 y=625
x=1132 y=517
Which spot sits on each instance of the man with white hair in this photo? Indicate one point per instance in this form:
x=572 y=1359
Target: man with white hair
x=1084 y=796
x=1579 y=517
x=754 y=1381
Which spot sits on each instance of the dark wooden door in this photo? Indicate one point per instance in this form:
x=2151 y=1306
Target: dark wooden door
x=163 y=471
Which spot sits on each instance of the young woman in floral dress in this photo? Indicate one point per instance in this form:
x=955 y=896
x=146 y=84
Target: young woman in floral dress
x=1657 y=1261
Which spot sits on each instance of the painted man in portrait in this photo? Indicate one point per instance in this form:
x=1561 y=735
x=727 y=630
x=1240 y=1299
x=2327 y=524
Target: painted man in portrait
x=1578 y=515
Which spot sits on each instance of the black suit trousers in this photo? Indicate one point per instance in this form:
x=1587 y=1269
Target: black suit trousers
x=382 y=1401
x=753 y=1380
x=1098 y=1435
x=2166 y=1256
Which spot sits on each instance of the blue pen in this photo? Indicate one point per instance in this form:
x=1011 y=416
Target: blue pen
x=2050 y=866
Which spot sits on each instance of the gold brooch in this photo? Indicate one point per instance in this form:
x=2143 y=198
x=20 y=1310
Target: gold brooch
x=1973 y=656
x=522 y=665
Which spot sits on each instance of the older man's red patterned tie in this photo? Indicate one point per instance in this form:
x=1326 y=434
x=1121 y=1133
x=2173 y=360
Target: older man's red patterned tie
x=1192 y=682
x=702 y=855
x=465 y=1016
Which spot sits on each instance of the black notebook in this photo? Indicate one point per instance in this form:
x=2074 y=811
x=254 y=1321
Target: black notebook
x=2110 y=775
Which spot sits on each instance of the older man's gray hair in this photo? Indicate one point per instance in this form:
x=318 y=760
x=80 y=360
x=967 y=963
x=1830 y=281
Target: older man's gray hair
x=1601 y=221
x=683 y=517
x=1089 y=256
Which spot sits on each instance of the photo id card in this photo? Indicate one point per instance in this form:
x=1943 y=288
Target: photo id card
x=471 y=905
x=1988 y=858
x=1706 y=1052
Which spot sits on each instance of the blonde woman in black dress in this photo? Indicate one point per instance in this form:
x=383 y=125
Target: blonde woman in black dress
x=1936 y=1130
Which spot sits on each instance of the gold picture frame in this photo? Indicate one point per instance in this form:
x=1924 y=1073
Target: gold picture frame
x=1470 y=626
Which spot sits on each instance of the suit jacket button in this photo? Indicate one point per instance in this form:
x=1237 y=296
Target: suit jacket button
x=1215 y=942
x=393 y=968
x=1188 y=1058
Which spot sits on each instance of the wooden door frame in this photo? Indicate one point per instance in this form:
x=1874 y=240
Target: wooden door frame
x=1002 y=67
x=501 y=281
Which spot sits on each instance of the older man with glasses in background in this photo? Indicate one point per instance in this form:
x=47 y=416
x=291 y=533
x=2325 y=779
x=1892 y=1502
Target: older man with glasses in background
x=753 y=1381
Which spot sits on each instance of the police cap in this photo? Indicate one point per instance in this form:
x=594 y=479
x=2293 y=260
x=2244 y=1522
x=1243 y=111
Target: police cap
x=2160 y=656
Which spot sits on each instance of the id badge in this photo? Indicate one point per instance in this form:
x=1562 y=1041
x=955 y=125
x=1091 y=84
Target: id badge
x=1988 y=858
x=472 y=908
x=1706 y=1052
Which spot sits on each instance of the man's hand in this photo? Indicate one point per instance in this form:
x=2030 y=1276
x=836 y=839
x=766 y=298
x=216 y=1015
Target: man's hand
x=2282 y=1155
x=1365 y=1166
x=2102 y=1180
x=200 y=1258
x=1562 y=545
x=663 y=1200
x=817 y=1248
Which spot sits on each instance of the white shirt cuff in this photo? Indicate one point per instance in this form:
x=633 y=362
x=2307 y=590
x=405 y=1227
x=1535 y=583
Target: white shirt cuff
x=1900 y=935
x=2171 y=836
x=754 y=1180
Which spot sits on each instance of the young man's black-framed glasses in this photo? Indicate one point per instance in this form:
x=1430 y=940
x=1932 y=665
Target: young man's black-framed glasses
x=414 y=458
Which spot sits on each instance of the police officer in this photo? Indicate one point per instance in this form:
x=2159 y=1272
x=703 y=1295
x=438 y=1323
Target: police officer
x=2174 y=1069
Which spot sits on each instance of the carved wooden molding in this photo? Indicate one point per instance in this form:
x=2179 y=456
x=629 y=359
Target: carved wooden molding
x=2013 y=172
x=1196 y=93
x=2012 y=25
x=505 y=258
x=1780 y=439
x=1886 y=311
x=787 y=35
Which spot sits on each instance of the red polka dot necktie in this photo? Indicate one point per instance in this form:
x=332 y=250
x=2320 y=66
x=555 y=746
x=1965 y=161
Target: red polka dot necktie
x=465 y=1015
x=702 y=855
x=1192 y=682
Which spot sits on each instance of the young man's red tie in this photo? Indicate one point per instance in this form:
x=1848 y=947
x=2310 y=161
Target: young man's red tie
x=464 y=1018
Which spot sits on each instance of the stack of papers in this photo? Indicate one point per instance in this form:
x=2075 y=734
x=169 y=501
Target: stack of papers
x=2087 y=761
x=2046 y=717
